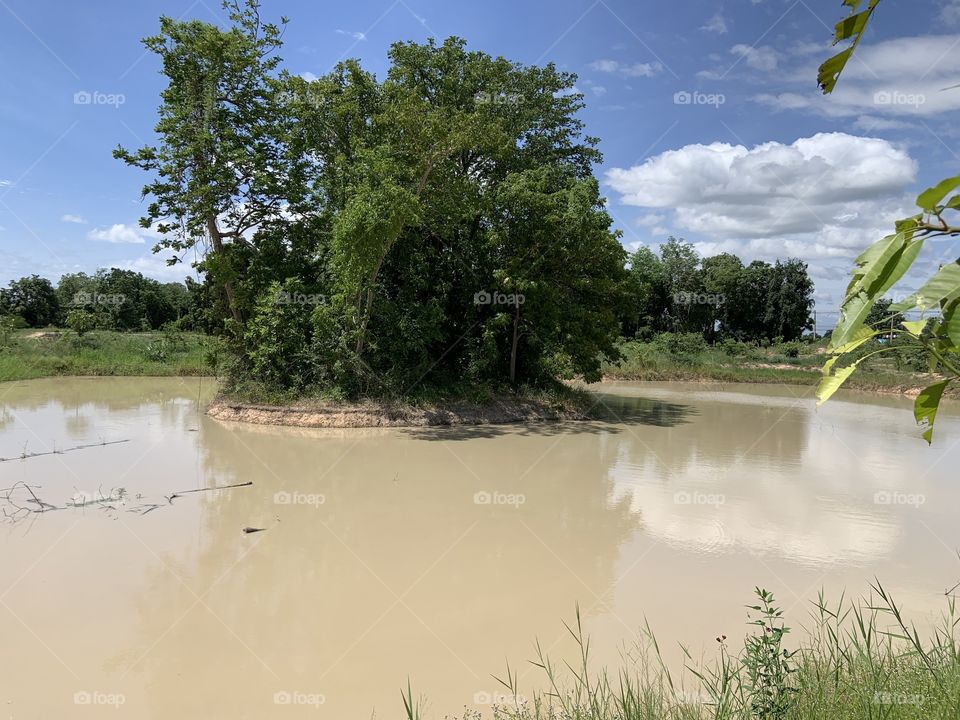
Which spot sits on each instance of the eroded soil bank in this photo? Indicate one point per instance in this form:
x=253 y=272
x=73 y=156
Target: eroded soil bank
x=338 y=415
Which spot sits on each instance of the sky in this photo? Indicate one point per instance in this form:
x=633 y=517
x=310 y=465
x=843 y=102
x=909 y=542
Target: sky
x=711 y=125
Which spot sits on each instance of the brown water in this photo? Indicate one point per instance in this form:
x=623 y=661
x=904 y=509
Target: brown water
x=433 y=554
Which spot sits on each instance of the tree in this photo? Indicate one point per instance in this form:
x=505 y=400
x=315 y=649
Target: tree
x=886 y=262
x=789 y=300
x=221 y=167
x=33 y=299
x=648 y=290
x=721 y=273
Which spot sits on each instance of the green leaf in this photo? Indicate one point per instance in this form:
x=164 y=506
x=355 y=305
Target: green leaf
x=931 y=197
x=945 y=285
x=853 y=25
x=926 y=405
x=829 y=384
x=850 y=27
x=878 y=269
x=915 y=327
x=859 y=338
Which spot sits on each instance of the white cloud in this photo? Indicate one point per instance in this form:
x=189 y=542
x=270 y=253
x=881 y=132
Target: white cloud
x=73 y=219
x=903 y=77
x=155 y=266
x=309 y=76
x=121 y=234
x=759 y=58
x=5 y=183
x=869 y=124
x=598 y=90
x=825 y=196
x=355 y=35
x=716 y=24
x=626 y=69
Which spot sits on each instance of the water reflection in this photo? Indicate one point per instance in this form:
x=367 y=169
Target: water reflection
x=437 y=553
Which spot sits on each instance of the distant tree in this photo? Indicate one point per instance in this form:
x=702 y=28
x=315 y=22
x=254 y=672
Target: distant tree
x=721 y=273
x=33 y=298
x=681 y=269
x=648 y=290
x=789 y=300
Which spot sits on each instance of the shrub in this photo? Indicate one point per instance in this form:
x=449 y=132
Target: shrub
x=681 y=343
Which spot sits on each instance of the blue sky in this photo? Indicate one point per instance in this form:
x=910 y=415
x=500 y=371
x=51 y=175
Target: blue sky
x=708 y=114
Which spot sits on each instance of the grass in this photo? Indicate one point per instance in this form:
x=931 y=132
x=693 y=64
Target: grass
x=741 y=363
x=29 y=354
x=860 y=660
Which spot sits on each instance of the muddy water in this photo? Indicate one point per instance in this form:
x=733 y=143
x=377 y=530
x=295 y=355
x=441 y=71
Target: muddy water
x=432 y=554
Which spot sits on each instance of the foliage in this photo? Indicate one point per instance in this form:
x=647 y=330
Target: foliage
x=885 y=263
x=858 y=659
x=31 y=298
x=681 y=343
x=678 y=291
x=101 y=352
x=767 y=663
x=80 y=322
x=450 y=238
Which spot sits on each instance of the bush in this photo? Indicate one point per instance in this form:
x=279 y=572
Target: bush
x=790 y=349
x=733 y=348
x=681 y=343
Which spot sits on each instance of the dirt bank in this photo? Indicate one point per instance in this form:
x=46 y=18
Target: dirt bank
x=380 y=415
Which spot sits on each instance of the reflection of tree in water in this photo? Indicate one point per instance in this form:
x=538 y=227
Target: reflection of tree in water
x=394 y=506
x=107 y=393
x=78 y=407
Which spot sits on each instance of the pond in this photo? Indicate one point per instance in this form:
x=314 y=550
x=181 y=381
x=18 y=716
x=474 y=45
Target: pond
x=433 y=554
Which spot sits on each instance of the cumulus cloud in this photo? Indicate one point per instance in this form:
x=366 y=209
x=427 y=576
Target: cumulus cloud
x=121 y=234
x=73 y=219
x=627 y=69
x=717 y=24
x=825 y=196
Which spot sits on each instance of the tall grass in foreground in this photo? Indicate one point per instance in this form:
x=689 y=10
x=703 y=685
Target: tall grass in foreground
x=861 y=660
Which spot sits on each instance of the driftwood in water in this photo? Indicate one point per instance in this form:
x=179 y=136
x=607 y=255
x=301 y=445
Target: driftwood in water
x=215 y=487
x=26 y=456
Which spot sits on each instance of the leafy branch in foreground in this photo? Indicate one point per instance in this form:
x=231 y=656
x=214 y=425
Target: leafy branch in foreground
x=886 y=262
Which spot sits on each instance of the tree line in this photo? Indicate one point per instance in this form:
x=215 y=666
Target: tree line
x=678 y=291
x=111 y=299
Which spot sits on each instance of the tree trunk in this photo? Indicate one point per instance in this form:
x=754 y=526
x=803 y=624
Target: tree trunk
x=516 y=341
x=216 y=238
